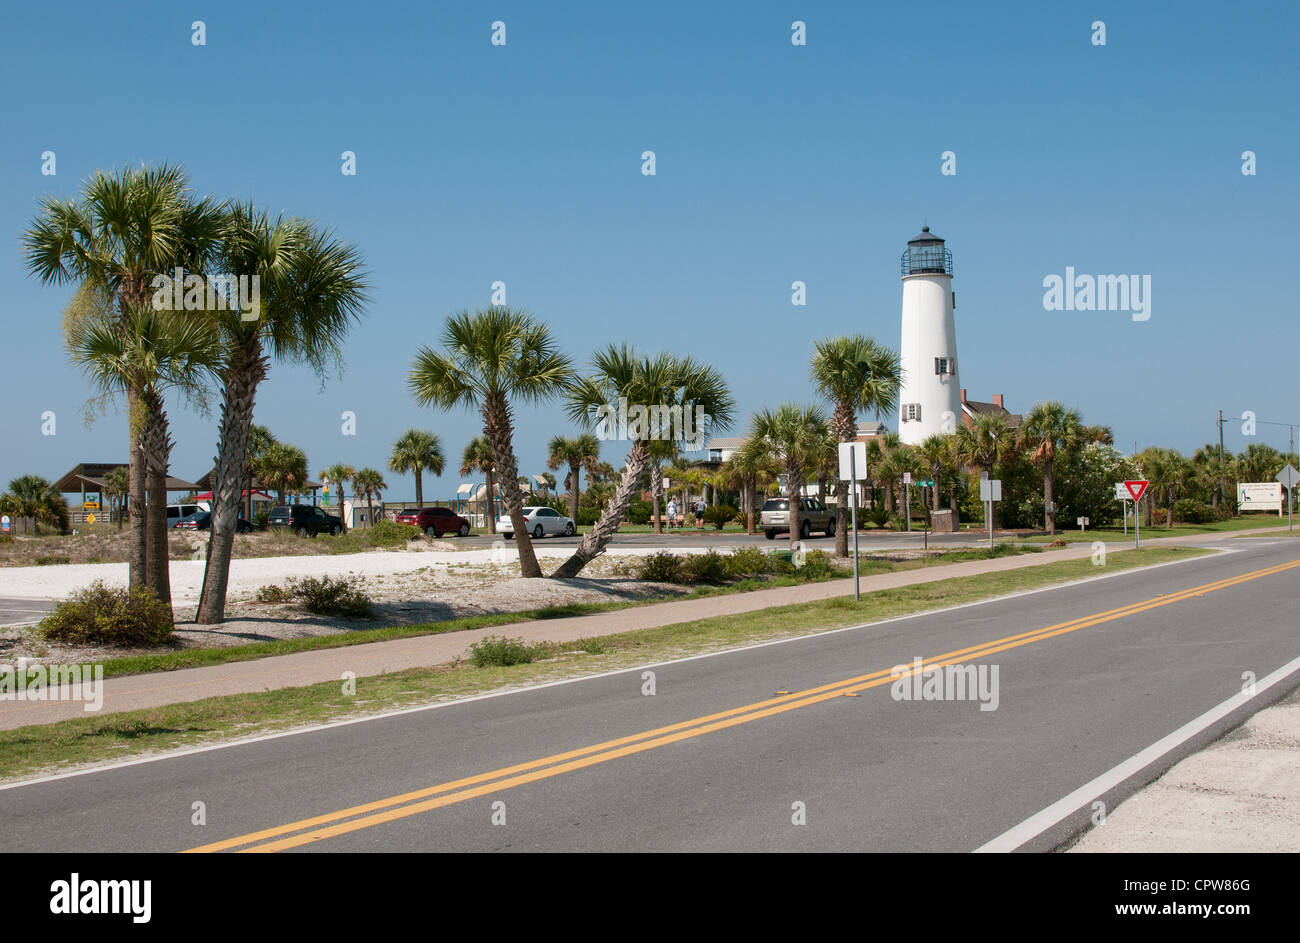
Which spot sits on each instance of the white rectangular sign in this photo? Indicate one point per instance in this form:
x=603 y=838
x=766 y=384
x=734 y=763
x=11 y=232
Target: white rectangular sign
x=1121 y=492
x=859 y=451
x=990 y=489
x=1259 y=495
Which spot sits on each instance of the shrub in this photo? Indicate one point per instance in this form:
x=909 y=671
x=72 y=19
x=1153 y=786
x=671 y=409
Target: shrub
x=499 y=651
x=747 y=561
x=877 y=514
x=330 y=595
x=101 y=615
x=816 y=566
x=638 y=512
x=52 y=561
x=260 y=520
x=588 y=516
x=389 y=534
x=720 y=515
x=708 y=567
x=1193 y=512
x=661 y=567
x=272 y=594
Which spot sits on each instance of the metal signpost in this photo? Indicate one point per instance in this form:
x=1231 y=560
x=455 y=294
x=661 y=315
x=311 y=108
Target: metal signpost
x=853 y=455
x=1137 y=489
x=907 y=499
x=1289 y=478
x=1121 y=495
x=990 y=491
x=925 y=506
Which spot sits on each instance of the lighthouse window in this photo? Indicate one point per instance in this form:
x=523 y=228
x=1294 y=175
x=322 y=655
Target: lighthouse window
x=945 y=366
x=911 y=411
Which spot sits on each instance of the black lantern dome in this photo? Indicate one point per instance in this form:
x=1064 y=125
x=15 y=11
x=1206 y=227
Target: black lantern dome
x=926 y=255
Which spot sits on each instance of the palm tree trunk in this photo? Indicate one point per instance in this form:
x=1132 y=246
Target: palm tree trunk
x=793 y=474
x=575 y=468
x=419 y=488
x=751 y=497
x=607 y=526
x=492 y=504
x=137 y=486
x=499 y=429
x=1047 y=498
x=246 y=371
x=157 y=446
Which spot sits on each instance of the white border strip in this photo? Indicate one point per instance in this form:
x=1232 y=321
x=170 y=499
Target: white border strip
x=1039 y=822
x=173 y=754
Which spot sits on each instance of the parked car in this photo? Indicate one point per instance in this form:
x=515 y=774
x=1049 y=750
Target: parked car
x=305 y=520
x=813 y=515
x=176 y=512
x=202 y=520
x=540 y=522
x=435 y=521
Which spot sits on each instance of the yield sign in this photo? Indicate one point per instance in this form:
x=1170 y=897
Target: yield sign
x=1137 y=488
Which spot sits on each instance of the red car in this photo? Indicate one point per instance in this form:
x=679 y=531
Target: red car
x=435 y=521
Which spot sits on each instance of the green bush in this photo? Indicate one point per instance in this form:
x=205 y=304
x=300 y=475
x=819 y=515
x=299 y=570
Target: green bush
x=52 y=561
x=747 y=561
x=720 y=515
x=588 y=516
x=816 y=566
x=100 y=615
x=273 y=594
x=638 y=512
x=708 y=567
x=260 y=520
x=1189 y=511
x=389 y=534
x=877 y=514
x=499 y=651
x=330 y=595
x=661 y=567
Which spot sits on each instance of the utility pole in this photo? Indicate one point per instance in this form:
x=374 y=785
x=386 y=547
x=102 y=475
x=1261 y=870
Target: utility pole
x=1222 y=485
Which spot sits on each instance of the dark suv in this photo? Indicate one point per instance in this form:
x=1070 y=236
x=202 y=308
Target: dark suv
x=305 y=520
x=435 y=521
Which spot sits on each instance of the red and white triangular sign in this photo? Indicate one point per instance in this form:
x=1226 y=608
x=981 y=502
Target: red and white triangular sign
x=1136 y=488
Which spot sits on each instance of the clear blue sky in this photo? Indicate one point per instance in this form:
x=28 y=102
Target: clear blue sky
x=775 y=163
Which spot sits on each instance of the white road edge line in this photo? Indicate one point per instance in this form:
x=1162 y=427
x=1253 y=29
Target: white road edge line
x=176 y=754
x=1039 y=822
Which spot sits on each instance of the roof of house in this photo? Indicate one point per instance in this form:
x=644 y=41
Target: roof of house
x=94 y=473
x=974 y=408
x=206 y=482
x=726 y=443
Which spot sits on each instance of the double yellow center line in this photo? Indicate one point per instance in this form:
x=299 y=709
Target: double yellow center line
x=381 y=811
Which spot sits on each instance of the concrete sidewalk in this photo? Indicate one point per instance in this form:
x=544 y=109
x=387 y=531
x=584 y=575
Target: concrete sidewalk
x=133 y=692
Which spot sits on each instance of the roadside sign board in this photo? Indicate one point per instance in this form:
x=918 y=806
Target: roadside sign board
x=4 y=524
x=90 y=518
x=907 y=478
x=1289 y=477
x=928 y=483
x=90 y=504
x=1259 y=495
x=1121 y=492
x=990 y=489
x=1136 y=488
x=858 y=451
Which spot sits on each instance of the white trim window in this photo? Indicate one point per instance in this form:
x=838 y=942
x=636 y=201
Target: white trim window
x=911 y=412
x=945 y=366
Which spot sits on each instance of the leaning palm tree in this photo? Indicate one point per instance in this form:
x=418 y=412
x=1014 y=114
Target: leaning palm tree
x=284 y=468
x=311 y=292
x=856 y=374
x=148 y=351
x=127 y=228
x=417 y=451
x=369 y=483
x=665 y=383
x=1048 y=428
x=489 y=359
x=795 y=435
x=478 y=457
x=340 y=474
x=577 y=452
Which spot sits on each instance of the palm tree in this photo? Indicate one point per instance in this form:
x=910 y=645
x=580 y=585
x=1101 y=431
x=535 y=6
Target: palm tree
x=1170 y=474
x=1259 y=462
x=260 y=438
x=311 y=292
x=416 y=451
x=794 y=435
x=147 y=351
x=117 y=484
x=369 y=484
x=127 y=228
x=856 y=374
x=490 y=358
x=478 y=457
x=340 y=474
x=578 y=452
x=936 y=452
x=33 y=497
x=750 y=470
x=987 y=442
x=1047 y=428
x=282 y=467
x=664 y=382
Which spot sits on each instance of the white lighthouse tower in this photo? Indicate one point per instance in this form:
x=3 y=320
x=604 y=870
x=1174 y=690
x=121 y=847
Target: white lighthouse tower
x=929 y=400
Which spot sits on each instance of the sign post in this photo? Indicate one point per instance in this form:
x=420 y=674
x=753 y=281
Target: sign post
x=1137 y=489
x=907 y=499
x=1289 y=478
x=853 y=455
x=990 y=491
x=1121 y=495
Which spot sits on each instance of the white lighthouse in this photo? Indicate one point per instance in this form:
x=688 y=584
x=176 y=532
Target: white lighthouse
x=929 y=400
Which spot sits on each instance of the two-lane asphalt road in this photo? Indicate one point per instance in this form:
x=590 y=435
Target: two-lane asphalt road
x=733 y=751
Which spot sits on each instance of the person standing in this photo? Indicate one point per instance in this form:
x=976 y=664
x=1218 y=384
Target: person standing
x=672 y=512
x=699 y=514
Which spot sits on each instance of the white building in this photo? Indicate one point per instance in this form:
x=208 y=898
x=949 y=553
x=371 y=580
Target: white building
x=929 y=399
